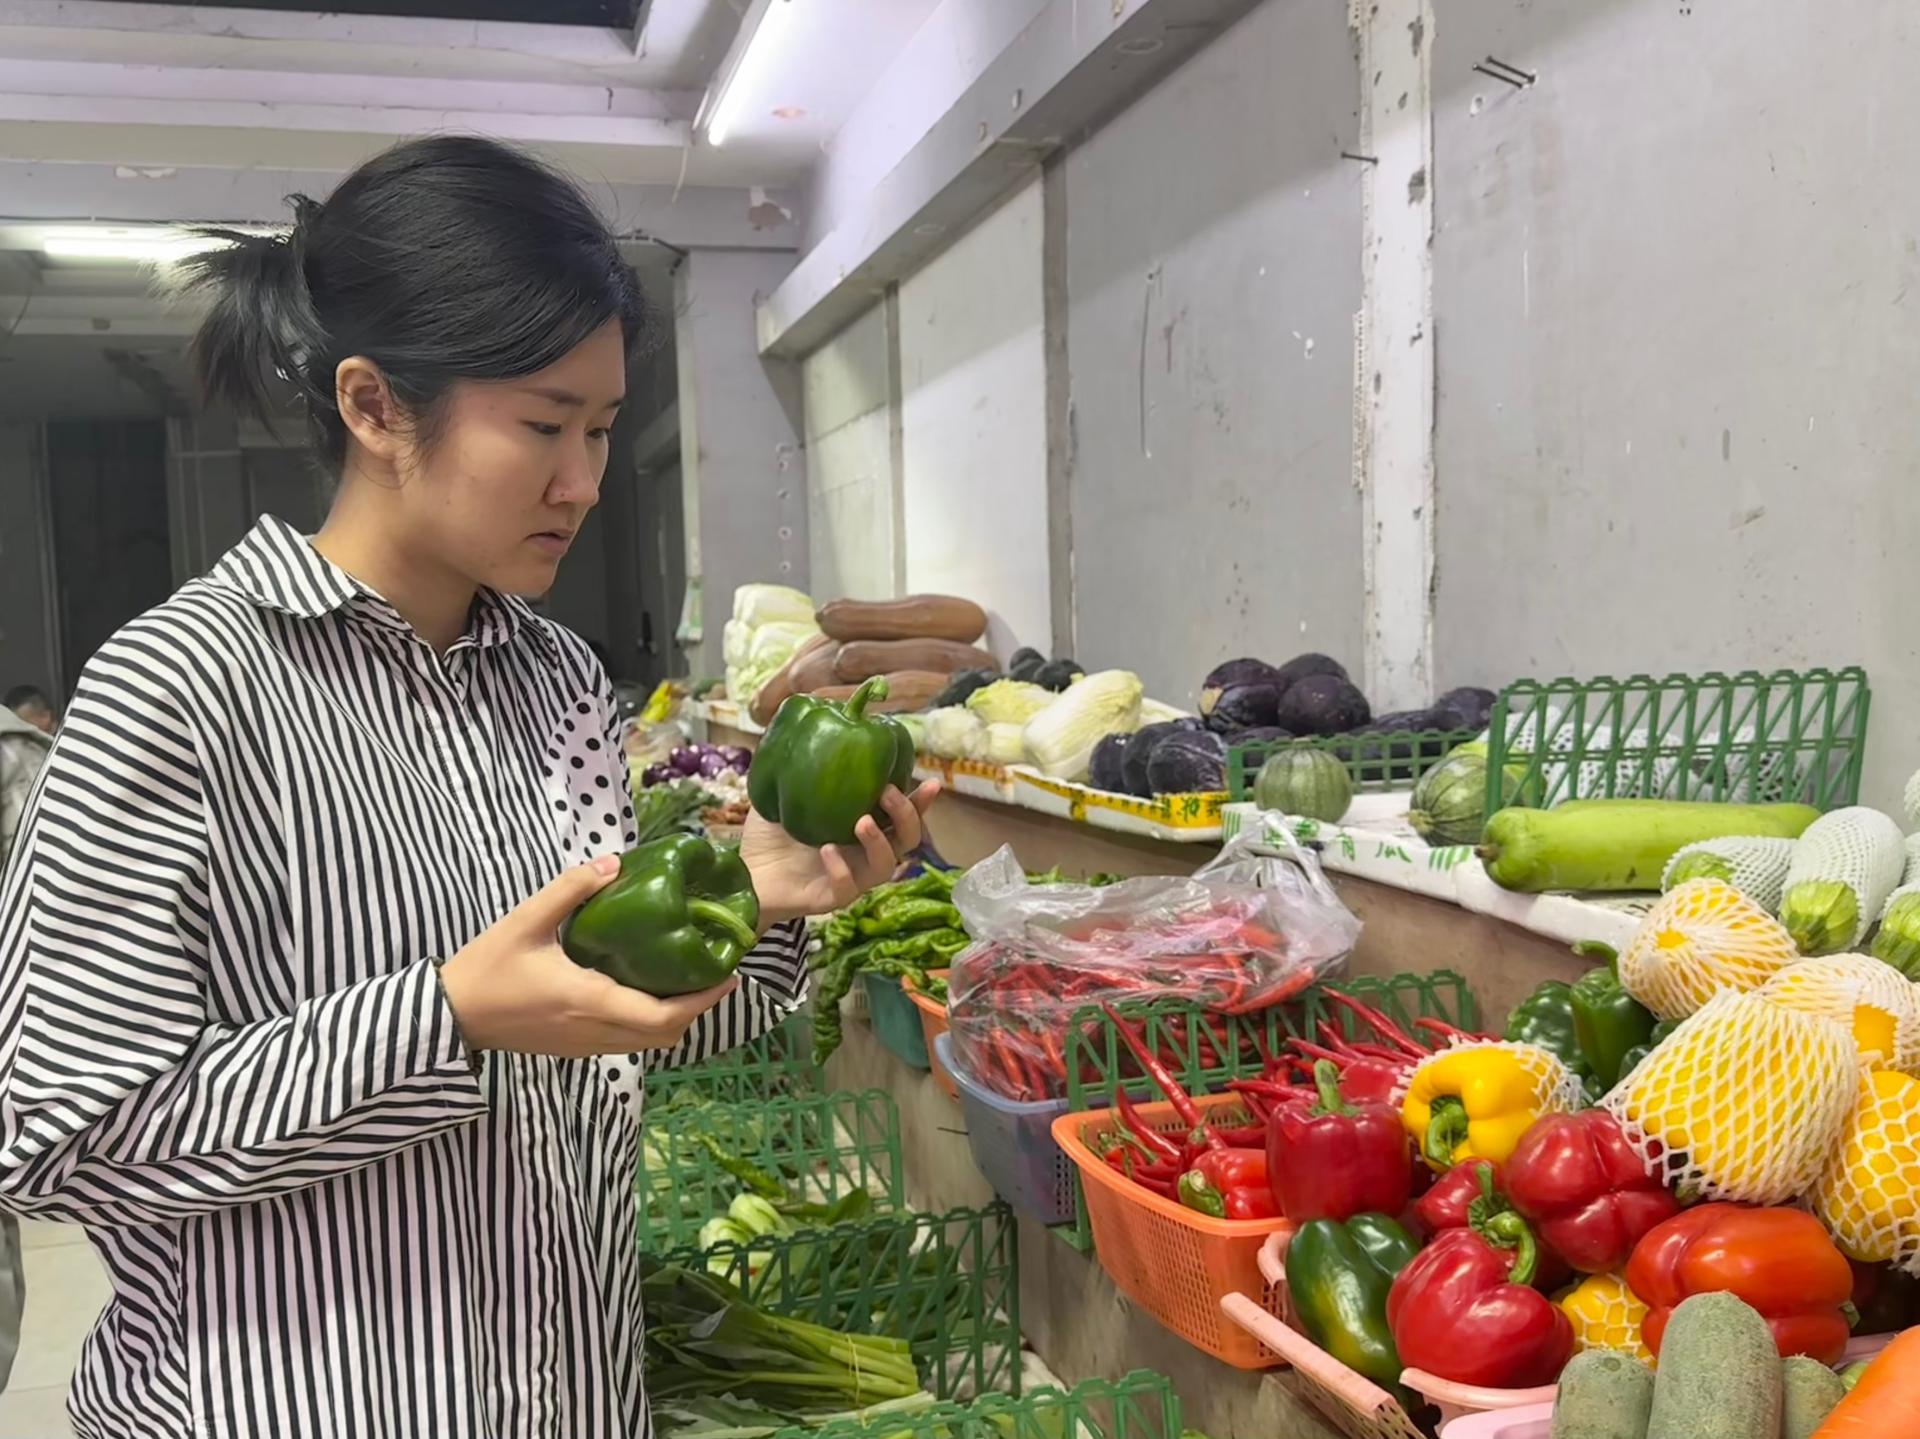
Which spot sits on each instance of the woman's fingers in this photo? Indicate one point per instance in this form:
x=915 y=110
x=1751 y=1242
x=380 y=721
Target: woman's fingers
x=905 y=818
x=543 y=911
x=646 y=1021
x=846 y=888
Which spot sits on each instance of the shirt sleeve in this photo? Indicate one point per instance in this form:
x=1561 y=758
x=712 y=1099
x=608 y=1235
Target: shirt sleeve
x=773 y=976
x=124 y=1097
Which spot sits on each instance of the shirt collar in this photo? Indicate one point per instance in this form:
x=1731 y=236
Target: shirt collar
x=277 y=568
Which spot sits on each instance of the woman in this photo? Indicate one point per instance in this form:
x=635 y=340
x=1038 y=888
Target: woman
x=282 y=1018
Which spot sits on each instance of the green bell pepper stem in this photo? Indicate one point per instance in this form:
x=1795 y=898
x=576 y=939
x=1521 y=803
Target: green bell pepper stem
x=1446 y=1131
x=1507 y=1230
x=1199 y=1195
x=719 y=915
x=1326 y=1079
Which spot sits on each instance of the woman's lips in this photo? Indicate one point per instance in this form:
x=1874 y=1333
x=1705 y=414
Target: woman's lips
x=552 y=542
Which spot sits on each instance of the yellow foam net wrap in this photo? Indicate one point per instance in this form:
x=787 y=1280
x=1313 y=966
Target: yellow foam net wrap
x=1878 y=1004
x=1868 y=1196
x=1701 y=938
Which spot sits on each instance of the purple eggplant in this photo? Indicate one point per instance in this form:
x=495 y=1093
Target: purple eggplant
x=686 y=759
x=655 y=774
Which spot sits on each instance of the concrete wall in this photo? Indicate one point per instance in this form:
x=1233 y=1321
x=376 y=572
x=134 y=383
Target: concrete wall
x=1212 y=275
x=974 y=425
x=743 y=474
x=1674 y=296
x=852 y=473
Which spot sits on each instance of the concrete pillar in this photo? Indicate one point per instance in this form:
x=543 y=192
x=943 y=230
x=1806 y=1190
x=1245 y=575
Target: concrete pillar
x=743 y=473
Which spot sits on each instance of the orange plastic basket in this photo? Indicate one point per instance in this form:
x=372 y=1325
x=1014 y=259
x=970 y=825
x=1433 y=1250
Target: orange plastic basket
x=933 y=1022
x=1171 y=1261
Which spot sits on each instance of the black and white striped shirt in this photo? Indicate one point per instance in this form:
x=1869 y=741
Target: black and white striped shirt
x=224 y=1050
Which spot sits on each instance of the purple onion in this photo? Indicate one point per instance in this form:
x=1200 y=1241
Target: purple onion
x=655 y=774
x=685 y=760
x=713 y=765
x=739 y=757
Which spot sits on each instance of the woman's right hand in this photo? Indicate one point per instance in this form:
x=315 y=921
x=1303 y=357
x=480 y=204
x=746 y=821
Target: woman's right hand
x=514 y=988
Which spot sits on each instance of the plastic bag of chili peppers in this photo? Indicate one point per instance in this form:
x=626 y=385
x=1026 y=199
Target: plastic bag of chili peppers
x=1252 y=929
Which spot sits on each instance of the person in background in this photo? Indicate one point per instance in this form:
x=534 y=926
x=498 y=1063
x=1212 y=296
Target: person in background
x=31 y=704
x=284 y=1020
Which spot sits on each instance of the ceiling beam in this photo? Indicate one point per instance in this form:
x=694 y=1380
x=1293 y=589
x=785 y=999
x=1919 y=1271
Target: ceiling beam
x=1078 y=63
x=35 y=192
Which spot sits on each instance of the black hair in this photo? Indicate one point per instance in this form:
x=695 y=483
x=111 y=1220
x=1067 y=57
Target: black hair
x=24 y=694
x=442 y=259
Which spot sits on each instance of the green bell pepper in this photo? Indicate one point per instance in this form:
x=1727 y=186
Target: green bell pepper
x=1545 y=1018
x=678 y=918
x=1339 y=1275
x=1640 y=1051
x=822 y=765
x=1607 y=1021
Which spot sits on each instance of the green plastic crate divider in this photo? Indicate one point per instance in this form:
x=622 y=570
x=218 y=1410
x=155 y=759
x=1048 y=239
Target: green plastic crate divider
x=895 y=1020
x=1143 y=1405
x=775 y=1064
x=820 y=1146
x=948 y=1284
x=1789 y=736
x=1208 y=1050
x=1376 y=763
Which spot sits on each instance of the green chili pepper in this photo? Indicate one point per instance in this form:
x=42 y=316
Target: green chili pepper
x=1545 y=1018
x=678 y=918
x=904 y=914
x=1608 y=1023
x=821 y=765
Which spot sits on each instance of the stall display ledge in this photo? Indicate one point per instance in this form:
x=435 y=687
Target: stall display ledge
x=725 y=713
x=1172 y=818
x=1383 y=848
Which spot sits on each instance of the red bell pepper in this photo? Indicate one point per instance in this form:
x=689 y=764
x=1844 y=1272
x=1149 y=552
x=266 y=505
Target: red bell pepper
x=1448 y=1204
x=1229 y=1184
x=1471 y=1193
x=1337 y=1160
x=1580 y=1184
x=1464 y=1309
x=1780 y=1261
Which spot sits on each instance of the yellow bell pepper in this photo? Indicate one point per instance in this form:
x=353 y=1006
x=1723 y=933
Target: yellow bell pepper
x=1471 y=1103
x=1608 y=1315
x=1869 y=1194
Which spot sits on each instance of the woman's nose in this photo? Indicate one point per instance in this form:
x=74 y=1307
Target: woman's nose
x=578 y=480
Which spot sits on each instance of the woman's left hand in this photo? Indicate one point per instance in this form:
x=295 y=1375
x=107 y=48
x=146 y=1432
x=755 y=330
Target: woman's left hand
x=794 y=881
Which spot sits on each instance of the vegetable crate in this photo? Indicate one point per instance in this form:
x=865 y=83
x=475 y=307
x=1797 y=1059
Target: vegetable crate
x=933 y=1024
x=896 y=1023
x=1746 y=738
x=775 y=1064
x=1172 y=1261
x=1205 y=1051
x=1376 y=763
x=948 y=1284
x=820 y=1147
x=1140 y=1406
x=1014 y=1148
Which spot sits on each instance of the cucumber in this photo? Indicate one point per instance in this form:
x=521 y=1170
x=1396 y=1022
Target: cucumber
x=1809 y=1390
x=1719 y=1375
x=1602 y=1395
x=1618 y=844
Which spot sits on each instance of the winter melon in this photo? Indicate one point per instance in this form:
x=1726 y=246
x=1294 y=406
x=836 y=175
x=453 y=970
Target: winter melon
x=1719 y=1375
x=1304 y=780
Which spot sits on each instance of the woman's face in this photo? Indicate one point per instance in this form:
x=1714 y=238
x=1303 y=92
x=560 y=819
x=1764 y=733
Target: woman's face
x=517 y=465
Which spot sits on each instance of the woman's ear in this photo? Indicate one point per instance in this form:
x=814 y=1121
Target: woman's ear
x=368 y=409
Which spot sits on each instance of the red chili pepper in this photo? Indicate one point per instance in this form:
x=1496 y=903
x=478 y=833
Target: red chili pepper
x=1182 y=1102
x=1337 y=1160
x=1443 y=1030
x=1247 y=1136
x=1384 y=1027
x=1150 y=1139
x=1575 y=1177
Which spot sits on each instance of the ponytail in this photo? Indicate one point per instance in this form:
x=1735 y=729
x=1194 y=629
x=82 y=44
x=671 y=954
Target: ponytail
x=444 y=259
x=260 y=333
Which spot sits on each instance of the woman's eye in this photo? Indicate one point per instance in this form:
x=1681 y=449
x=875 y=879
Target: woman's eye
x=601 y=433
x=541 y=428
